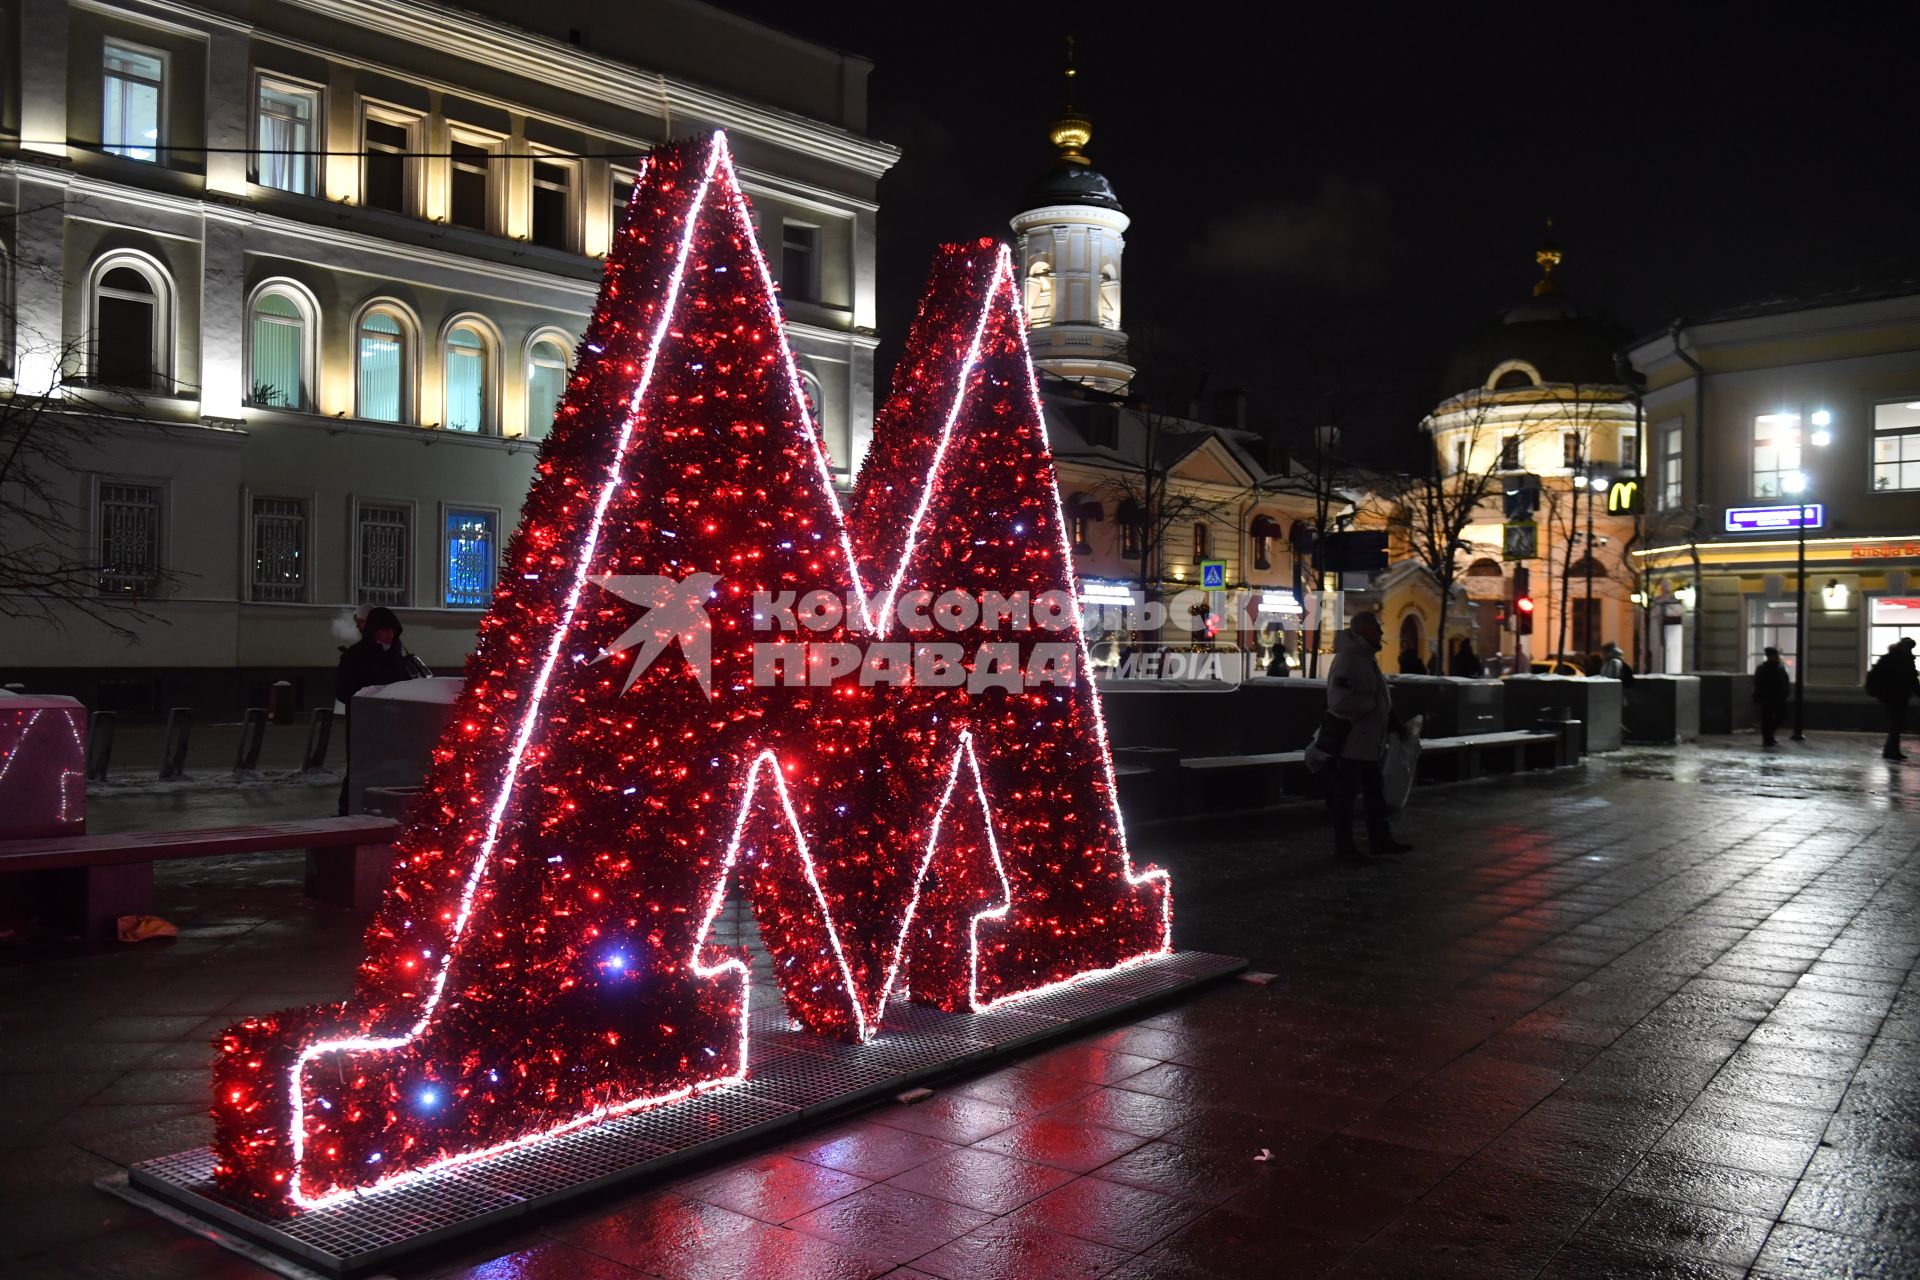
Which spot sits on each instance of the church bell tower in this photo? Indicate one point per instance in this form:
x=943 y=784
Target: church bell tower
x=1070 y=236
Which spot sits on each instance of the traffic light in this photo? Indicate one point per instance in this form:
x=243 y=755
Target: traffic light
x=1522 y=601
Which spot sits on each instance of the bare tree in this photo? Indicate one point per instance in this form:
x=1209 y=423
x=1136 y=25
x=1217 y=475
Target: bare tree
x=50 y=570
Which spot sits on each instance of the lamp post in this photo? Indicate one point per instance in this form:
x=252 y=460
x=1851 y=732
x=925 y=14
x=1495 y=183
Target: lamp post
x=1797 y=484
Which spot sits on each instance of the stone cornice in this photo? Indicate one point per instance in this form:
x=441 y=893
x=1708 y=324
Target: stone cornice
x=541 y=60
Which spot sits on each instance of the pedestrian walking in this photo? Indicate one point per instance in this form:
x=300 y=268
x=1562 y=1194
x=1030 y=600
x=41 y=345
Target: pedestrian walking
x=1277 y=663
x=1410 y=663
x=1464 y=663
x=1613 y=664
x=1892 y=683
x=376 y=658
x=1771 y=685
x=1354 y=732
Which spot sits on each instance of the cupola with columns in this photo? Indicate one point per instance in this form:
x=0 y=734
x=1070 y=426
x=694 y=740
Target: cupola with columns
x=1070 y=236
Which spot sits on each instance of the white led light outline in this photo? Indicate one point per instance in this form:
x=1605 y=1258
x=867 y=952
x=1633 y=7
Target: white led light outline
x=362 y=1044
x=719 y=159
x=19 y=748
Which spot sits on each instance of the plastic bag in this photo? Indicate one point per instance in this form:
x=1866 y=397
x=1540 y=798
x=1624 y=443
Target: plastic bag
x=1403 y=759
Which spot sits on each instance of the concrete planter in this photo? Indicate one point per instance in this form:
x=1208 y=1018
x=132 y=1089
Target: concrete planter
x=1662 y=708
x=1726 y=702
x=1453 y=707
x=1593 y=701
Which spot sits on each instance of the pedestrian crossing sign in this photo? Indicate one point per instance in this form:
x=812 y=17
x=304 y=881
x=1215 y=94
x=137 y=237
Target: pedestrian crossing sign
x=1213 y=575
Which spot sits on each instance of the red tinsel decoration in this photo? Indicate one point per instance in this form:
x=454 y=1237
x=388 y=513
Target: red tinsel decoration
x=540 y=961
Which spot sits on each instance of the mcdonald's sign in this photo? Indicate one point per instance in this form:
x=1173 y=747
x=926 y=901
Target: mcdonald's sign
x=1625 y=498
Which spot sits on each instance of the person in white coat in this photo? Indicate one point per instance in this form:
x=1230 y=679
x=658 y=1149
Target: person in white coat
x=1359 y=699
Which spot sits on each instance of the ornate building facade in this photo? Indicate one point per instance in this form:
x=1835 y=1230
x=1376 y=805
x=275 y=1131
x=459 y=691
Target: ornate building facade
x=1535 y=396
x=329 y=260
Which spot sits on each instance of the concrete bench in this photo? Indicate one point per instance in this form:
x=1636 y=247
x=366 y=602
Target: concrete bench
x=88 y=882
x=1218 y=784
x=1476 y=754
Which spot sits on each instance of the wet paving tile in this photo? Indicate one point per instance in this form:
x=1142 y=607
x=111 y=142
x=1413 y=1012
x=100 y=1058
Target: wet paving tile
x=875 y=1152
x=889 y=1222
x=772 y=1188
x=1018 y=1249
x=1078 y=1148
x=1129 y=1218
x=1681 y=1227
x=983 y=1180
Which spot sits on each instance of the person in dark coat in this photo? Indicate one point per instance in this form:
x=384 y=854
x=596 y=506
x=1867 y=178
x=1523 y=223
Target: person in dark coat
x=376 y=658
x=1410 y=663
x=1771 y=685
x=1465 y=663
x=1892 y=683
x=1277 y=664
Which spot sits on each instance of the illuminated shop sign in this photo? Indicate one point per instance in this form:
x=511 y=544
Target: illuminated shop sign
x=1279 y=602
x=1813 y=515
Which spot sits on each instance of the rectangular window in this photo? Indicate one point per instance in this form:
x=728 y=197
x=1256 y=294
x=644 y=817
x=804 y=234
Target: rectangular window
x=1630 y=452
x=133 y=100
x=1776 y=454
x=129 y=539
x=1586 y=624
x=1570 y=449
x=470 y=540
x=1510 y=453
x=284 y=133
x=1896 y=447
x=382 y=553
x=1668 y=472
x=623 y=180
x=553 y=220
x=1459 y=457
x=1775 y=623
x=279 y=550
x=470 y=185
x=1890 y=620
x=800 y=261
x=384 y=183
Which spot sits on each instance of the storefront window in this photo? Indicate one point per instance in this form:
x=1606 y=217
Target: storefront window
x=1896 y=445
x=1773 y=623
x=1891 y=619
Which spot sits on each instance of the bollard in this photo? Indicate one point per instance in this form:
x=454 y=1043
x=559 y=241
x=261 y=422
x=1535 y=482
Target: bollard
x=280 y=708
x=99 y=745
x=319 y=733
x=173 y=750
x=253 y=734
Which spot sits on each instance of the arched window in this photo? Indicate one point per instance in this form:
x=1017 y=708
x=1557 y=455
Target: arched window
x=1109 y=298
x=1039 y=294
x=1485 y=568
x=1132 y=528
x=816 y=399
x=546 y=384
x=1202 y=540
x=132 y=324
x=1264 y=531
x=6 y=312
x=1587 y=567
x=467 y=379
x=383 y=373
x=280 y=347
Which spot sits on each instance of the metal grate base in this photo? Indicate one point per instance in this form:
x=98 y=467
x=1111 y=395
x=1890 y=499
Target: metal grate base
x=796 y=1078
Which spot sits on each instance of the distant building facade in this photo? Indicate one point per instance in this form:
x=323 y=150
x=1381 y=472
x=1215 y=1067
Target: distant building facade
x=339 y=253
x=1753 y=412
x=1152 y=494
x=1537 y=392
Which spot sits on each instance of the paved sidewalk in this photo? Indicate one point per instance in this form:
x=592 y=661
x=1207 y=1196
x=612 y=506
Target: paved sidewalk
x=1653 y=1018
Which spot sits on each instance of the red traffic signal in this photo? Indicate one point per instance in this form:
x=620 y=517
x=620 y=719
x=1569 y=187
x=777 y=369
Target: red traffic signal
x=1524 y=604
x=1523 y=615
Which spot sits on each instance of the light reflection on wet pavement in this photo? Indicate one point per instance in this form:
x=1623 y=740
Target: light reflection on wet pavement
x=1655 y=1017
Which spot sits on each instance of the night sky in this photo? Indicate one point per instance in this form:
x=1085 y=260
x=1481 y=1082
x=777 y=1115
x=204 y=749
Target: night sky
x=1327 y=199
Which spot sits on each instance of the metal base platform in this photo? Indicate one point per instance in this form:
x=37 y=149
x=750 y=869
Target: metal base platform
x=796 y=1079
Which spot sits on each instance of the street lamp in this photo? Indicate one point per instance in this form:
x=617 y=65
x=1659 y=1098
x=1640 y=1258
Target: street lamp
x=1797 y=484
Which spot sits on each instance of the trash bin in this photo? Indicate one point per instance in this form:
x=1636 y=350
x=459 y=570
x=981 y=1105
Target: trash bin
x=280 y=707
